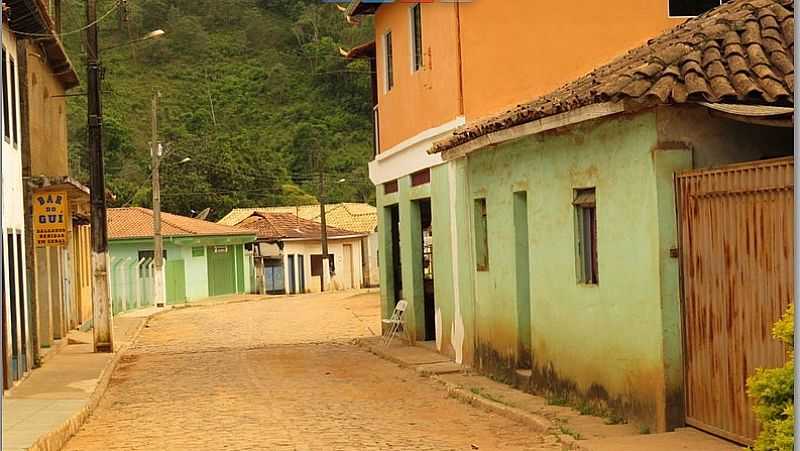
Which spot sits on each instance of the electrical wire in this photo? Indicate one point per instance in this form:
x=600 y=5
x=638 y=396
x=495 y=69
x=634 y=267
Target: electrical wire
x=71 y=32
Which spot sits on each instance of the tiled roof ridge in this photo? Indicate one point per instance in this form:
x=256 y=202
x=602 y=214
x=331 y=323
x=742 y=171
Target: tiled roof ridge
x=740 y=52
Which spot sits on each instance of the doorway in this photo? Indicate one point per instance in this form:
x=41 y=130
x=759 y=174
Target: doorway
x=396 y=271
x=348 y=266
x=292 y=283
x=221 y=270
x=522 y=270
x=301 y=275
x=426 y=229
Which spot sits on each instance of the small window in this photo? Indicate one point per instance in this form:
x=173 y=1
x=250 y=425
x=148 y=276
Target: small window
x=316 y=264
x=688 y=8
x=6 y=128
x=198 y=252
x=416 y=36
x=586 y=236
x=388 y=61
x=220 y=249
x=481 y=236
x=13 y=101
x=422 y=177
x=390 y=187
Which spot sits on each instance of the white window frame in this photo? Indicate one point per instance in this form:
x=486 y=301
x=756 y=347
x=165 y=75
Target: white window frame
x=386 y=87
x=413 y=39
x=682 y=17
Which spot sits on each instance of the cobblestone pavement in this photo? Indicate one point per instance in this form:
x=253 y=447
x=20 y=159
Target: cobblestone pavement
x=281 y=374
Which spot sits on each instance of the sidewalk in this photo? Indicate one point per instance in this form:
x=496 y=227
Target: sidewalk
x=53 y=402
x=574 y=430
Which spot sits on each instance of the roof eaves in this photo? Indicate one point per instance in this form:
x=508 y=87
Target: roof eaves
x=364 y=7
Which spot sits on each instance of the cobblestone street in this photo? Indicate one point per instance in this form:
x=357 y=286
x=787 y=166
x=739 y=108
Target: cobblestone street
x=281 y=374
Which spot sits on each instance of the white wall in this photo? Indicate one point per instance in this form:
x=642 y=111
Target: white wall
x=13 y=214
x=341 y=280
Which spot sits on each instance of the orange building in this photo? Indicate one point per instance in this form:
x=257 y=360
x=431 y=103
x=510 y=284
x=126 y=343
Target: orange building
x=440 y=65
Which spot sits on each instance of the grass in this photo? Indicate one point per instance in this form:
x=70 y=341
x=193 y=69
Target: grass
x=480 y=391
x=567 y=431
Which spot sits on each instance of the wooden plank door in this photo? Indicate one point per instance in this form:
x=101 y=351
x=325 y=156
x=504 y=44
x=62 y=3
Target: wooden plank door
x=736 y=267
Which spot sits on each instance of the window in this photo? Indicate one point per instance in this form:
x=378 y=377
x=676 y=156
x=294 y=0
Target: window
x=13 y=100
x=220 y=249
x=390 y=187
x=422 y=177
x=416 y=36
x=6 y=129
x=198 y=252
x=481 y=236
x=389 y=61
x=586 y=236
x=685 y=8
x=316 y=264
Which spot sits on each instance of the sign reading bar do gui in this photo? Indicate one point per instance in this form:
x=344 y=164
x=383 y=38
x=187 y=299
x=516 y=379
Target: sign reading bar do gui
x=50 y=213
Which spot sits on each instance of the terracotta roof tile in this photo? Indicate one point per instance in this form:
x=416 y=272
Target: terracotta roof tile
x=355 y=217
x=740 y=53
x=278 y=226
x=136 y=222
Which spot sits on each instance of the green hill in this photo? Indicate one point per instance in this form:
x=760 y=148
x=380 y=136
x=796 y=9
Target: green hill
x=251 y=90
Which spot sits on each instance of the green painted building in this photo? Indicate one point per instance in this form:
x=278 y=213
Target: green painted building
x=543 y=246
x=202 y=259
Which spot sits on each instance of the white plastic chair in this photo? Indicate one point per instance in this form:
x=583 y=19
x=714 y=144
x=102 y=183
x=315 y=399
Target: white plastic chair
x=395 y=322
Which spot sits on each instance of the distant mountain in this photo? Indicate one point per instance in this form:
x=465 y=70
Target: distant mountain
x=255 y=92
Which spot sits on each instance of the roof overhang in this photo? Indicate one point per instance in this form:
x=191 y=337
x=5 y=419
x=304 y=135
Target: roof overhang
x=582 y=114
x=366 y=50
x=31 y=17
x=773 y=116
x=364 y=7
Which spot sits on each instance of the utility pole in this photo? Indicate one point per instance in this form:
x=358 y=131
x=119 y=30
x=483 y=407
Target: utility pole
x=158 y=253
x=325 y=276
x=101 y=301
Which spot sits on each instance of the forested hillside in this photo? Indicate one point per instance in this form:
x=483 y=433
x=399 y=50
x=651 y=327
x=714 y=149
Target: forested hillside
x=251 y=90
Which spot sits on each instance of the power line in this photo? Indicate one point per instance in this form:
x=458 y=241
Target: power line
x=67 y=33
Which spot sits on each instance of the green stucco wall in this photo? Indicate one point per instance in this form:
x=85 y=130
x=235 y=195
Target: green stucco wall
x=604 y=340
x=123 y=282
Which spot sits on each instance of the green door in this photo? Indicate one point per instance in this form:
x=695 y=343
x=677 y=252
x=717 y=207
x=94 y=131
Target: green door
x=176 y=282
x=221 y=270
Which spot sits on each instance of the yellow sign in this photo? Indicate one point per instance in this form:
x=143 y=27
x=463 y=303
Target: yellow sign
x=50 y=214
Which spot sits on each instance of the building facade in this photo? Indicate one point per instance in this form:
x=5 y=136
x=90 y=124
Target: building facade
x=356 y=218
x=540 y=242
x=202 y=259
x=46 y=289
x=288 y=254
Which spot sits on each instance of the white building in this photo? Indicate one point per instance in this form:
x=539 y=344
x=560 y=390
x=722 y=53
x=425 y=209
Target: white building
x=288 y=254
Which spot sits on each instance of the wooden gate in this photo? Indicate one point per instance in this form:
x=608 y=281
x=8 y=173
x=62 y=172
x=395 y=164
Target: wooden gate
x=736 y=266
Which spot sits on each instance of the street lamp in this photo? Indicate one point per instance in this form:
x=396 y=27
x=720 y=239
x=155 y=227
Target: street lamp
x=155 y=34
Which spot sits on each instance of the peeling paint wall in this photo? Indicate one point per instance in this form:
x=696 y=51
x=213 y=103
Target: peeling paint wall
x=603 y=339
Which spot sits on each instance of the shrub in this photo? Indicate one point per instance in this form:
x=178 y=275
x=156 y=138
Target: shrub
x=772 y=389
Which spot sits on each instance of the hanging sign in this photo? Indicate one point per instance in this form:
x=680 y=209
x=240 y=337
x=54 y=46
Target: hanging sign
x=50 y=213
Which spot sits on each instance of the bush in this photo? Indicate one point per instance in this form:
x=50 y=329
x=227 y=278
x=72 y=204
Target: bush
x=773 y=390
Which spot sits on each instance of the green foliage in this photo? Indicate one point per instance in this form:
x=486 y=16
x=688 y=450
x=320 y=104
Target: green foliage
x=773 y=389
x=255 y=92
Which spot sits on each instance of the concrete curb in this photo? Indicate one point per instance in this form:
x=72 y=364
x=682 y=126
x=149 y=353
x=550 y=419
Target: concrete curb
x=57 y=438
x=536 y=422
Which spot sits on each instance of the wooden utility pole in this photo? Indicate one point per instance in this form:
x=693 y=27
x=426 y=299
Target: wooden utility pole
x=158 y=253
x=101 y=301
x=326 y=275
